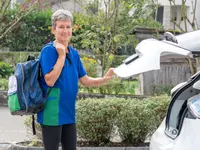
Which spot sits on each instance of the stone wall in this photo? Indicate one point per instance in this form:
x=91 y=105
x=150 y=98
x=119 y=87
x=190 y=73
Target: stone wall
x=4 y=98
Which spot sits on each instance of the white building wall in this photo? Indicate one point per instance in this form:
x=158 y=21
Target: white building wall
x=177 y=2
x=166 y=17
x=166 y=14
x=71 y=6
x=13 y=3
x=198 y=13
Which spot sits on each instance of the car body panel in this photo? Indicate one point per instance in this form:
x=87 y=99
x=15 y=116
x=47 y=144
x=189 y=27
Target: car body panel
x=188 y=139
x=149 y=52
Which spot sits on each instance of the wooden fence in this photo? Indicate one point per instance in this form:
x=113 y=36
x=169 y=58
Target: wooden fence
x=174 y=70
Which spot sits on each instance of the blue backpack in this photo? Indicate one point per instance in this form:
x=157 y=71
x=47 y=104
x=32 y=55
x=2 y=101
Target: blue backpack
x=25 y=94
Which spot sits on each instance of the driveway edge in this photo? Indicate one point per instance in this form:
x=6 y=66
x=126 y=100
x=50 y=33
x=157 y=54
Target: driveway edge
x=11 y=146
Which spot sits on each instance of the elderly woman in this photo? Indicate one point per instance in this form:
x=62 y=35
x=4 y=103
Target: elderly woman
x=61 y=70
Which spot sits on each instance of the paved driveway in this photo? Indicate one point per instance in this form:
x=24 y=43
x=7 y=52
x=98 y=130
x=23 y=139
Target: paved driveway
x=12 y=128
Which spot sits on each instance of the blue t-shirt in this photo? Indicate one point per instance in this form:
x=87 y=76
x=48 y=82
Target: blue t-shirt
x=60 y=106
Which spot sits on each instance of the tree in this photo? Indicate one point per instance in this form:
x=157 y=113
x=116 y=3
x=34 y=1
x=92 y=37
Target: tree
x=187 y=22
x=8 y=24
x=107 y=29
x=184 y=16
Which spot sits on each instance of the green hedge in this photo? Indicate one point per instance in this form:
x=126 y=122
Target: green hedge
x=135 y=119
x=95 y=120
x=31 y=33
x=34 y=30
x=134 y=122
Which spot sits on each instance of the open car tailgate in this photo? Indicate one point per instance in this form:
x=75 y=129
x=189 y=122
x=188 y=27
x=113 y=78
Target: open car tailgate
x=149 y=51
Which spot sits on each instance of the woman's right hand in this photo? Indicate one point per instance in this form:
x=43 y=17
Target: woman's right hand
x=60 y=49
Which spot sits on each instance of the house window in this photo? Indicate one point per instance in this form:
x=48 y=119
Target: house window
x=159 y=16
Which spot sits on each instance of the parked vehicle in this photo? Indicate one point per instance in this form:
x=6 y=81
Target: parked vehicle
x=180 y=130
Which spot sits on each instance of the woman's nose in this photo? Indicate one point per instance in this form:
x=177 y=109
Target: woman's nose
x=65 y=29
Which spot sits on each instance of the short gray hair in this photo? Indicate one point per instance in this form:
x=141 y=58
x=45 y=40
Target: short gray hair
x=61 y=14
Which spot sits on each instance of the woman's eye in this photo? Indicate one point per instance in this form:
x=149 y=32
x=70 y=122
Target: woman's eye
x=67 y=27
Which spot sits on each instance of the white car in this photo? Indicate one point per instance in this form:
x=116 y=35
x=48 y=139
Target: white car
x=180 y=130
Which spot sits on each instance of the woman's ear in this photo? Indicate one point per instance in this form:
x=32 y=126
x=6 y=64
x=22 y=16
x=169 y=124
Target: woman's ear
x=52 y=29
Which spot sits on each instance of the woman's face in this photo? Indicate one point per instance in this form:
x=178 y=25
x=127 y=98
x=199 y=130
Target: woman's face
x=63 y=31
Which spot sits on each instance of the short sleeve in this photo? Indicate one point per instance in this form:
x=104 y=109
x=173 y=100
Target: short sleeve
x=81 y=70
x=48 y=59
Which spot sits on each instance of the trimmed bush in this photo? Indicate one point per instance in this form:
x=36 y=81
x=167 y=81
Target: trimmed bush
x=158 y=105
x=95 y=120
x=134 y=122
x=134 y=119
x=140 y=119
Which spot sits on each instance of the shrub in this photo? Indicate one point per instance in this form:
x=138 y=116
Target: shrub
x=161 y=89
x=114 y=87
x=3 y=84
x=31 y=33
x=95 y=120
x=140 y=119
x=158 y=105
x=90 y=65
x=5 y=69
x=134 y=118
x=130 y=86
x=134 y=122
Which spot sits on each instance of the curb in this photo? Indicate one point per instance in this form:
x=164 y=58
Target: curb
x=113 y=148
x=5 y=146
x=9 y=146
